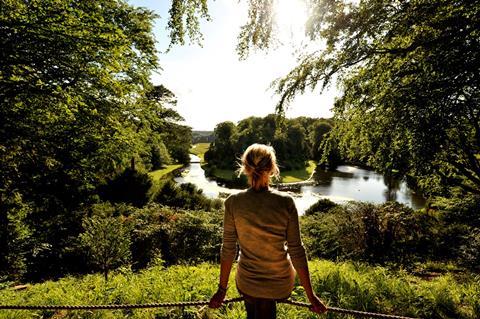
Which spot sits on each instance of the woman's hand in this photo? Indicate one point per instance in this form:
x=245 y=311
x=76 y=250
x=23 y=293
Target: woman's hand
x=217 y=299
x=317 y=305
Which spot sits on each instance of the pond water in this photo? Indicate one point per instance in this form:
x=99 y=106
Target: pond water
x=344 y=184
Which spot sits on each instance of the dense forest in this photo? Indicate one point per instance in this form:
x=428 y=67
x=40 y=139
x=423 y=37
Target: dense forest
x=82 y=127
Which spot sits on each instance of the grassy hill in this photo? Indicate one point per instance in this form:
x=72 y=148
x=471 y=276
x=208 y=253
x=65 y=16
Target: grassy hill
x=345 y=285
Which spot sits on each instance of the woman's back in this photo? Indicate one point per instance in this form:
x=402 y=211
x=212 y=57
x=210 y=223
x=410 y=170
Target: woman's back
x=263 y=222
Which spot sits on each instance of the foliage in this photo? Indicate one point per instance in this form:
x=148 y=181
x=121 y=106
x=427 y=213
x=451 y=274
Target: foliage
x=403 y=107
x=186 y=196
x=287 y=136
x=318 y=133
x=321 y=206
x=184 y=21
x=195 y=237
x=200 y=137
x=389 y=232
x=131 y=186
x=159 y=156
x=346 y=285
x=178 y=140
x=176 y=236
x=77 y=106
x=14 y=236
x=462 y=220
x=106 y=238
x=221 y=152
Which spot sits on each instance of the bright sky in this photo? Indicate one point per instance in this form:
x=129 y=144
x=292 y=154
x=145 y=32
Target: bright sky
x=212 y=85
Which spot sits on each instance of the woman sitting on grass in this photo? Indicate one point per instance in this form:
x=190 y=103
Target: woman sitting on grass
x=262 y=220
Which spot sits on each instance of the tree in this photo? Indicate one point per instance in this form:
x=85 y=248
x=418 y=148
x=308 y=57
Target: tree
x=221 y=152
x=317 y=132
x=71 y=76
x=410 y=73
x=106 y=238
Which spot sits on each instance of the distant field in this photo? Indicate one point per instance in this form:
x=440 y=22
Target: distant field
x=299 y=174
x=199 y=149
x=159 y=173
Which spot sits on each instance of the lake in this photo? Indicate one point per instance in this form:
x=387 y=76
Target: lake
x=344 y=184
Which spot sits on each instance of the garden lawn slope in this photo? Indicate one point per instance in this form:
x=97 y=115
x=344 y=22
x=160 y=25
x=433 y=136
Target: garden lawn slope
x=345 y=285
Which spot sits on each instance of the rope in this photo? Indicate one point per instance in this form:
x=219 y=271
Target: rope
x=356 y=313
x=364 y=314
x=115 y=306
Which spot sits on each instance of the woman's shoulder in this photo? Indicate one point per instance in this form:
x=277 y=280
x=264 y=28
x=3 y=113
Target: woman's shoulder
x=271 y=194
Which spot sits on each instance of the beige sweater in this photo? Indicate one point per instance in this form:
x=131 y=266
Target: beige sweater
x=265 y=224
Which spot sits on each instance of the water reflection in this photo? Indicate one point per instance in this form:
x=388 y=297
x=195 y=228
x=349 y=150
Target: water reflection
x=344 y=184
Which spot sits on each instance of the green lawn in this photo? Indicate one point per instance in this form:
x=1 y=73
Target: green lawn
x=199 y=149
x=346 y=285
x=299 y=174
x=159 y=173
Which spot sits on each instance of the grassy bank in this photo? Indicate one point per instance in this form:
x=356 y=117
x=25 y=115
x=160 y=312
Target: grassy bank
x=345 y=285
x=159 y=173
x=199 y=149
x=298 y=175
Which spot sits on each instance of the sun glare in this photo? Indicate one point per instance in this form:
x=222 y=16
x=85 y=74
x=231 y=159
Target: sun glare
x=290 y=16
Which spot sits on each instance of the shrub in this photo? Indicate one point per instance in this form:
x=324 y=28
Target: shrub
x=321 y=206
x=377 y=233
x=195 y=237
x=177 y=236
x=131 y=186
x=106 y=238
x=186 y=196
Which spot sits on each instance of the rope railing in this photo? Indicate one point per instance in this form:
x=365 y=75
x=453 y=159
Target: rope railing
x=363 y=314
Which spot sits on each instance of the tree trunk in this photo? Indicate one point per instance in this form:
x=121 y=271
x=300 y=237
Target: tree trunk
x=132 y=163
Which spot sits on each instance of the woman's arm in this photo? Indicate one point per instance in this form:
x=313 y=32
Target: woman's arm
x=299 y=259
x=219 y=296
x=317 y=305
x=227 y=255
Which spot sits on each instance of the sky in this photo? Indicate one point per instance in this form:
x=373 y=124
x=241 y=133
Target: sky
x=212 y=85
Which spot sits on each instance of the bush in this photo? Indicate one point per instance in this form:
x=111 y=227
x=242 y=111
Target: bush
x=131 y=186
x=177 y=236
x=321 y=206
x=186 y=196
x=376 y=233
x=195 y=237
x=470 y=251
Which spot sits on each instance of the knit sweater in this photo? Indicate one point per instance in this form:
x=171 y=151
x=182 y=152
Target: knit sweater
x=265 y=225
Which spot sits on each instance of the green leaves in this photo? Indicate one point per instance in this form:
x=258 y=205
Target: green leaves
x=409 y=72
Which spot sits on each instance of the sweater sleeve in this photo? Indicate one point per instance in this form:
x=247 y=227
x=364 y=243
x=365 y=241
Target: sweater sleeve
x=229 y=243
x=295 y=246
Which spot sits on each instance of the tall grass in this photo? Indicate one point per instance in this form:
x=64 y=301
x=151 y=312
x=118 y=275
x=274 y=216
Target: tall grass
x=347 y=285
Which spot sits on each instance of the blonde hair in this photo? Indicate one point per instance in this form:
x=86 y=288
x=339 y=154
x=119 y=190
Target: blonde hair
x=259 y=163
